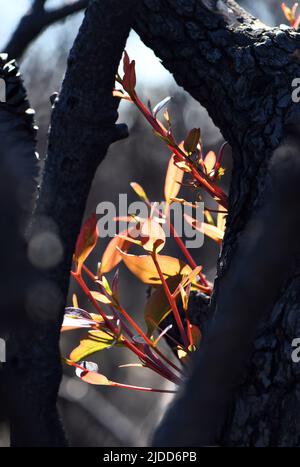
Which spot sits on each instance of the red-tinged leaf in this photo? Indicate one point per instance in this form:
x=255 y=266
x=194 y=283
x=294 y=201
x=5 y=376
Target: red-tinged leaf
x=88 y=373
x=86 y=241
x=144 y=269
x=192 y=140
x=111 y=256
x=207 y=229
x=95 y=378
x=288 y=13
x=152 y=236
x=185 y=295
x=121 y=95
x=126 y=62
x=139 y=190
x=210 y=161
x=173 y=181
x=129 y=79
x=296 y=23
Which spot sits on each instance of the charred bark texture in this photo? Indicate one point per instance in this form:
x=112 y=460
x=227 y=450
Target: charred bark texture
x=31 y=421
x=241 y=71
x=82 y=128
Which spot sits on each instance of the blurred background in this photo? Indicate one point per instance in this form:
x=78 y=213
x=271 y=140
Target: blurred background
x=102 y=416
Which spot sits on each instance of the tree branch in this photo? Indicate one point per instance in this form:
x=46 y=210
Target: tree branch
x=35 y=21
x=262 y=263
x=241 y=71
x=60 y=13
x=38 y=4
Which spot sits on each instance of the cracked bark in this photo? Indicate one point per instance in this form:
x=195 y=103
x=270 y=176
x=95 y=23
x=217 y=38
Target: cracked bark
x=241 y=71
x=19 y=170
x=82 y=128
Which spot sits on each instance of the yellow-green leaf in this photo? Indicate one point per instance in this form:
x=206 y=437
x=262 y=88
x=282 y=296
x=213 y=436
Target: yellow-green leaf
x=100 y=297
x=144 y=269
x=174 y=177
x=94 y=342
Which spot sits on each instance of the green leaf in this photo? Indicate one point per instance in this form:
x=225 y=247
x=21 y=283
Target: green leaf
x=86 y=241
x=94 y=342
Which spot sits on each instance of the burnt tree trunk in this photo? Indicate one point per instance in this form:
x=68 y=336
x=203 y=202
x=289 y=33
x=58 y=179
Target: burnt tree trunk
x=83 y=125
x=242 y=72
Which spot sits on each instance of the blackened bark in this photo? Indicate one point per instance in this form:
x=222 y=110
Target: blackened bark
x=30 y=421
x=241 y=71
x=82 y=128
x=260 y=267
x=18 y=136
x=35 y=21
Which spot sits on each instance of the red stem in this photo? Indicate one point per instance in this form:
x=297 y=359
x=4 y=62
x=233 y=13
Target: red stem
x=214 y=191
x=146 y=338
x=127 y=343
x=89 y=273
x=120 y=385
x=171 y=300
x=187 y=254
